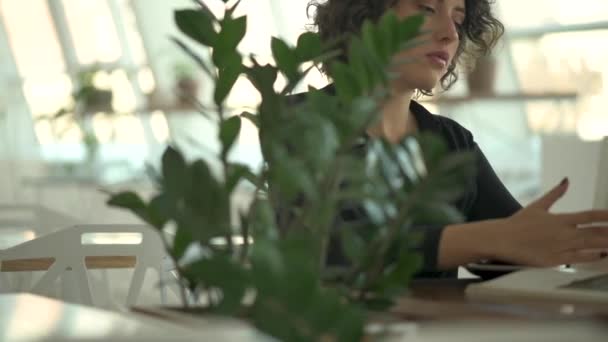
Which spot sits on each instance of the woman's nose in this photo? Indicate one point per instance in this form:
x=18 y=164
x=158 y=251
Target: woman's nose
x=445 y=29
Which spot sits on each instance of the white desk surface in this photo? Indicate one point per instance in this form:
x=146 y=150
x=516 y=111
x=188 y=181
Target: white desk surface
x=31 y=318
x=26 y=317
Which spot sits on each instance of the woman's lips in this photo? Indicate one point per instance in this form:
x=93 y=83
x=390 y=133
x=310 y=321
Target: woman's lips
x=438 y=58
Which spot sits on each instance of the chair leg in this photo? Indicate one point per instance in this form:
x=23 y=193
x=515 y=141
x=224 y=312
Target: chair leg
x=162 y=286
x=136 y=284
x=83 y=283
x=49 y=277
x=6 y=284
x=69 y=288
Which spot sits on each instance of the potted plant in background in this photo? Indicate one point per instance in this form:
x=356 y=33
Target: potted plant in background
x=87 y=99
x=269 y=266
x=481 y=78
x=186 y=86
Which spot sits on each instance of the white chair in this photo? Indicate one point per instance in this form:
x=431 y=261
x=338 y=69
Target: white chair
x=68 y=254
x=20 y=222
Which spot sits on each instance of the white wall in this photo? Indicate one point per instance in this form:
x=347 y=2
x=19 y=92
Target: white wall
x=568 y=156
x=17 y=137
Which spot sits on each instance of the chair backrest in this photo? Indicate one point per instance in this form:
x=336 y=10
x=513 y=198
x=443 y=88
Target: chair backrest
x=78 y=248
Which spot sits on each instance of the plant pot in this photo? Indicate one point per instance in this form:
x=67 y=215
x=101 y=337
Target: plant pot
x=482 y=78
x=187 y=90
x=99 y=100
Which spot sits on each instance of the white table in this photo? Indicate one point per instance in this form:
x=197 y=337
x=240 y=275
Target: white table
x=26 y=317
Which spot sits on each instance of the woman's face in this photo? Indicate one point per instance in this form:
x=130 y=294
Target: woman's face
x=423 y=66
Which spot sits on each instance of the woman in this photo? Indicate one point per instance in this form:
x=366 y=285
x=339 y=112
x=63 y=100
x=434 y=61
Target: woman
x=497 y=227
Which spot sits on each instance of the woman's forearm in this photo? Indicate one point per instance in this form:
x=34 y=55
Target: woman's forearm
x=461 y=244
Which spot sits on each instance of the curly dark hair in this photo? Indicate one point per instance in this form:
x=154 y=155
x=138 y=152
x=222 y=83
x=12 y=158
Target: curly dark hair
x=479 y=33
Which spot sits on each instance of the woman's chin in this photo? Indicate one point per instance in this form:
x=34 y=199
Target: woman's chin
x=427 y=84
x=424 y=83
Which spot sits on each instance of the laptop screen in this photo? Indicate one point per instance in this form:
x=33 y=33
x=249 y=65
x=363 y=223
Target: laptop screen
x=601 y=190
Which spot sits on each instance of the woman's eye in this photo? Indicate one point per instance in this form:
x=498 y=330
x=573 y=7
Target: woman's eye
x=427 y=9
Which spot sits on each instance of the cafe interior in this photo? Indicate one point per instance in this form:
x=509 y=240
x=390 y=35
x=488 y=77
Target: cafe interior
x=139 y=198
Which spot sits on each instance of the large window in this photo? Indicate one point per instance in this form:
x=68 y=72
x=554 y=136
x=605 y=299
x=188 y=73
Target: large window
x=552 y=48
x=54 y=44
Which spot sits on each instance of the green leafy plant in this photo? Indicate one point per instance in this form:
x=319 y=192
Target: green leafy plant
x=87 y=99
x=318 y=163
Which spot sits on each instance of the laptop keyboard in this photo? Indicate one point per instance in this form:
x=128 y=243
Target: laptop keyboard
x=599 y=283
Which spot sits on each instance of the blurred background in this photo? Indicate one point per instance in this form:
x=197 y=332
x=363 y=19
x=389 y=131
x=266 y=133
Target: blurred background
x=91 y=91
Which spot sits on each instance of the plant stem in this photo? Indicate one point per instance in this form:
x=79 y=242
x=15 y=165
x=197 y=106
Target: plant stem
x=180 y=273
x=332 y=183
x=245 y=235
x=224 y=160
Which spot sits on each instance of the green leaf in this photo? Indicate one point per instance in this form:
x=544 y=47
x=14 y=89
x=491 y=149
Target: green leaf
x=182 y=240
x=410 y=28
x=353 y=245
x=285 y=57
x=196 y=24
x=309 y=46
x=368 y=35
x=401 y=273
x=229 y=132
x=232 y=32
x=263 y=79
x=379 y=304
x=390 y=41
x=208 y=199
x=221 y=273
x=262 y=221
x=128 y=200
x=375 y=212
x=347 y=86
x=435 y=213
x=434 y=148
x=132 y=202
x=358 y=63
x=448 y=180
x=160 y=210
x=237 y=172
x=293 y=179
x=269 y=264
x=252 y=118
x=230 y=10
x=227 y=77
x=175 y=173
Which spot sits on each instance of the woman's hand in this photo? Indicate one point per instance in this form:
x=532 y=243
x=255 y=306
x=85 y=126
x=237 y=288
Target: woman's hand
x=533 y=236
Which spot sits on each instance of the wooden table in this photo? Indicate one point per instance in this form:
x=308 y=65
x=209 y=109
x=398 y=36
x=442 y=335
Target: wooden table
x=444 y=300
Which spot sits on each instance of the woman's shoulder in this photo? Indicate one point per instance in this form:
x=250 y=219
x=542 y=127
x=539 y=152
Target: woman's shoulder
x=457 y=136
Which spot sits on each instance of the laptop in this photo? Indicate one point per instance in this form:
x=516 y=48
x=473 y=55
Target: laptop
x=578 y=283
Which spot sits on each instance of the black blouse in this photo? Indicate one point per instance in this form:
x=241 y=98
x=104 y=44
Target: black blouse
x=485 y=198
